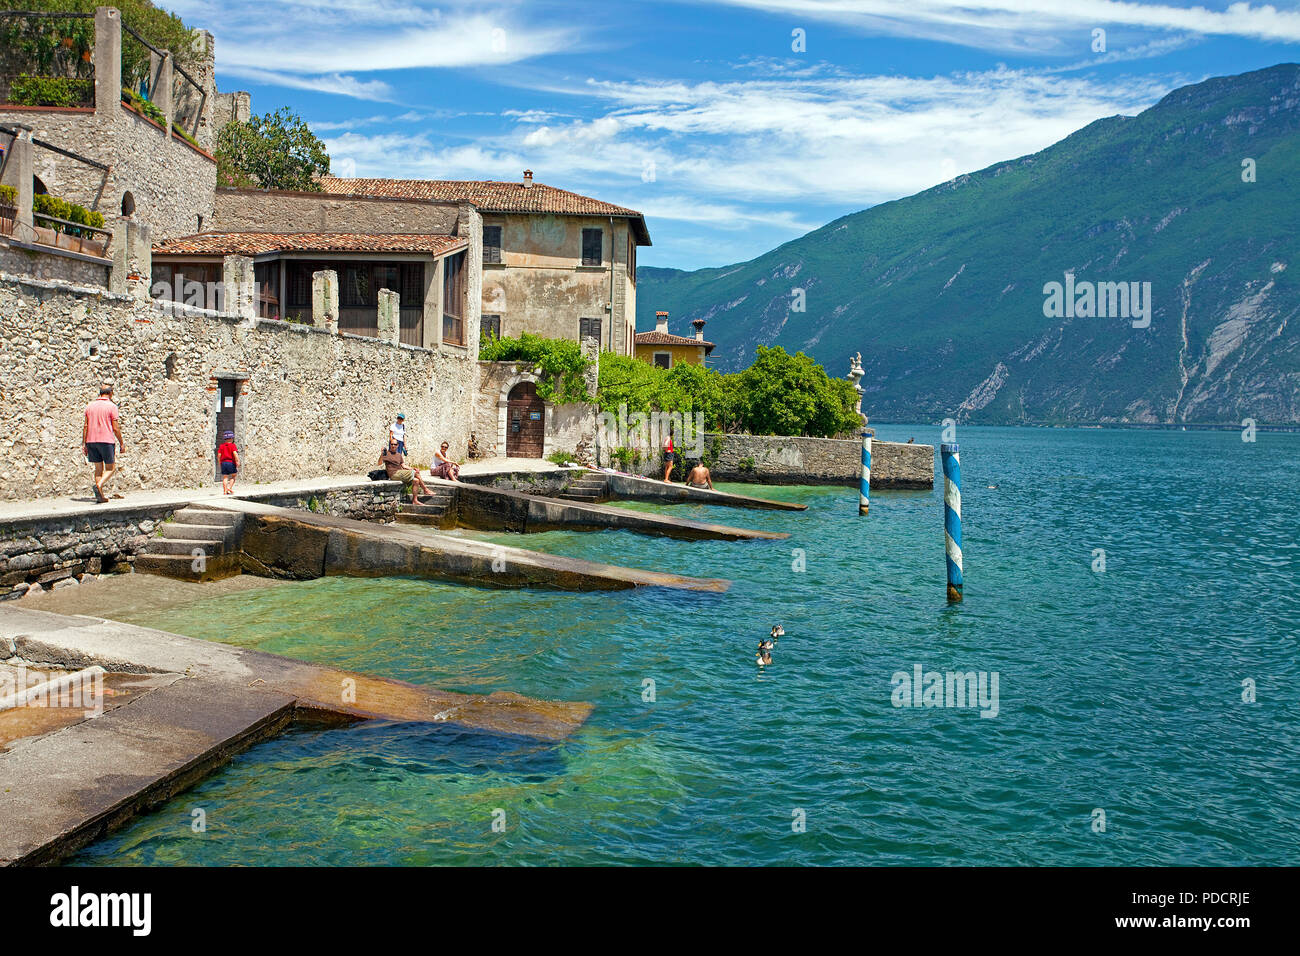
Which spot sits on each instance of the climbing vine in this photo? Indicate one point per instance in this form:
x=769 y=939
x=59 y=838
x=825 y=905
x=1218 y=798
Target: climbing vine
x=561 y=366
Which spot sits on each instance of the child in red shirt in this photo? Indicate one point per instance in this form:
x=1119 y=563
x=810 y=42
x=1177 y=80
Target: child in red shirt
x=228 y=456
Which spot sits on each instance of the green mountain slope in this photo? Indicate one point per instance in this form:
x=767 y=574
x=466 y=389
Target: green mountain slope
x=943 y=292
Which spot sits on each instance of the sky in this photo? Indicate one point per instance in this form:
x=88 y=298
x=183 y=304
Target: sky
x=733 y=125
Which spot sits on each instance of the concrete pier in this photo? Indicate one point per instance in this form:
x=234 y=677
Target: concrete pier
x=633 y=488
x=202 y=703
x=281 y=542
x=499 y=509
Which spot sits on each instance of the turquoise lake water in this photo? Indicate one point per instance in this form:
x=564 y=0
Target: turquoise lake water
x=1118 y=690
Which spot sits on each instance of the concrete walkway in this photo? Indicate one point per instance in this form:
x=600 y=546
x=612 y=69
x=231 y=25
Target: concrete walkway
x=81 y=503
x=205 y=702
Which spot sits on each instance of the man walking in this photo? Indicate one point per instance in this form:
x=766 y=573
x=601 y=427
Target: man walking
x=100 y=428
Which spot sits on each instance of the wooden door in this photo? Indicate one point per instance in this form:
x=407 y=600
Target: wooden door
x=525 y=422
x=227 y=399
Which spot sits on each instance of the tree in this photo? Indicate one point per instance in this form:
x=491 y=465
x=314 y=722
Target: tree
x=784 y=394
x=274 y=151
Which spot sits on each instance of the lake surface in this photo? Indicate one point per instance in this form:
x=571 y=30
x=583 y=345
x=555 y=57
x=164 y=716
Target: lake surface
x=1119 y=691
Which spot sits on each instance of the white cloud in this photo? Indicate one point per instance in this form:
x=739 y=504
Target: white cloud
x=376 y=90
x=1031 y=25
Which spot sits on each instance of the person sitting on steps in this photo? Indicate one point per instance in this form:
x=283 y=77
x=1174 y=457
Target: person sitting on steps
x=394 y=463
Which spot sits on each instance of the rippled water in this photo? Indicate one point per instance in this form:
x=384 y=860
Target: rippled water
x=1119 y=691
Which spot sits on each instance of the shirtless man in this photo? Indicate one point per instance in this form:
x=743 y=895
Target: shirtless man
x=700 y=477
x=394 y=463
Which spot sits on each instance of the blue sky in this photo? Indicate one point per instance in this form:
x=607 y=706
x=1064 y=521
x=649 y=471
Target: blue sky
x=703 y=115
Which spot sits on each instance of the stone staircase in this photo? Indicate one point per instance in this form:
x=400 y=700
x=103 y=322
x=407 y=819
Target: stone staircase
x=589 y=489
x=198 y=544
x=434 y=512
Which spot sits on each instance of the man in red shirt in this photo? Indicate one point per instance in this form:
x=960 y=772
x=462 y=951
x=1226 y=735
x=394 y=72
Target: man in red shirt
x=100 y=429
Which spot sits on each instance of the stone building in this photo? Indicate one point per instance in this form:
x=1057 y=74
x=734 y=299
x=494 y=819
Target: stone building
x=664 y=349
x=555 y=263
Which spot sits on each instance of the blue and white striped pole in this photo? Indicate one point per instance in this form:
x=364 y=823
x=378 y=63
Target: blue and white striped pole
x=864 y=490
x=952 y=516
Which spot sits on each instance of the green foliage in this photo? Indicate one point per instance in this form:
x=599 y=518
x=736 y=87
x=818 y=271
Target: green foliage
x=560 y=458
x=62 y=209
x=65 y=48
x=627 y=458
x=783 y=394
x=779 y=395
x=8 y=196
x=27 y=90
x=144 y=106
x=559 y=363
x=273 y=151
x=745 y=464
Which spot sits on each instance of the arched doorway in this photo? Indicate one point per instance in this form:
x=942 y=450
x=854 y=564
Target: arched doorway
x=525 y=422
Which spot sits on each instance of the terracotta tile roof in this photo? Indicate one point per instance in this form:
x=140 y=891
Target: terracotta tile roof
x=488 y=196
x=667 y=338
x=258 y=243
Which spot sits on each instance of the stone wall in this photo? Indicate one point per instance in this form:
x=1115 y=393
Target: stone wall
x=786 y=460
x=51 y=265
x=171 y=182
x=252 y=210
x=310 y=403
x=43 y=553
x=818 y=461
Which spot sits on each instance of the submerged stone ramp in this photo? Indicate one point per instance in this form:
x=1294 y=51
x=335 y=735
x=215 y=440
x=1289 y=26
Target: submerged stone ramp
x=498 y=509
x=207 y=702
x=635 y=488
x=282 y=542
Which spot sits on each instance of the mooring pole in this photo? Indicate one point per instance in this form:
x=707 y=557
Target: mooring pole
x=864 y=490
x=952 y=516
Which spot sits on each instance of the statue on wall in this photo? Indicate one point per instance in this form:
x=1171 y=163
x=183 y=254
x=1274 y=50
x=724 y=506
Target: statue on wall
x=855 y=376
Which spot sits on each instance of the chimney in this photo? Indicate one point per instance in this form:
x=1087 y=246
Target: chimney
x=528 y=179
x=699 y=329
x=661 y=322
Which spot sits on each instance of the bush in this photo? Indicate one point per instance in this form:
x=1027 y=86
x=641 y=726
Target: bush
x=8 y=196
x=560 y=458
x=62 y=209
x=144 y=106
x=28 y=90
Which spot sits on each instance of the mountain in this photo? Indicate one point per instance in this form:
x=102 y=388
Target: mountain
x=944 y=292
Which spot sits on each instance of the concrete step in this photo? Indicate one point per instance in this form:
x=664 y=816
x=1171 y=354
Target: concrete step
x=207 y=516
x=183 y=566
x=433 y=506
x=585 y=499
x=226 y=534
x=429 y=519
x=184 y=546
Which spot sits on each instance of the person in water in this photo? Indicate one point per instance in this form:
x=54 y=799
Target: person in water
x=700 y=477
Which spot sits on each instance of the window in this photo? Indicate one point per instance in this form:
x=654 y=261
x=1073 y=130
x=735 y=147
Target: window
x=589 y=329
x=453 y=299
x=490 y=327
x=593 y=241
x=631 y=257
x=267 y=277
x=412 y=288
x=355 y=292
x=664 y=359
x=491 y=243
